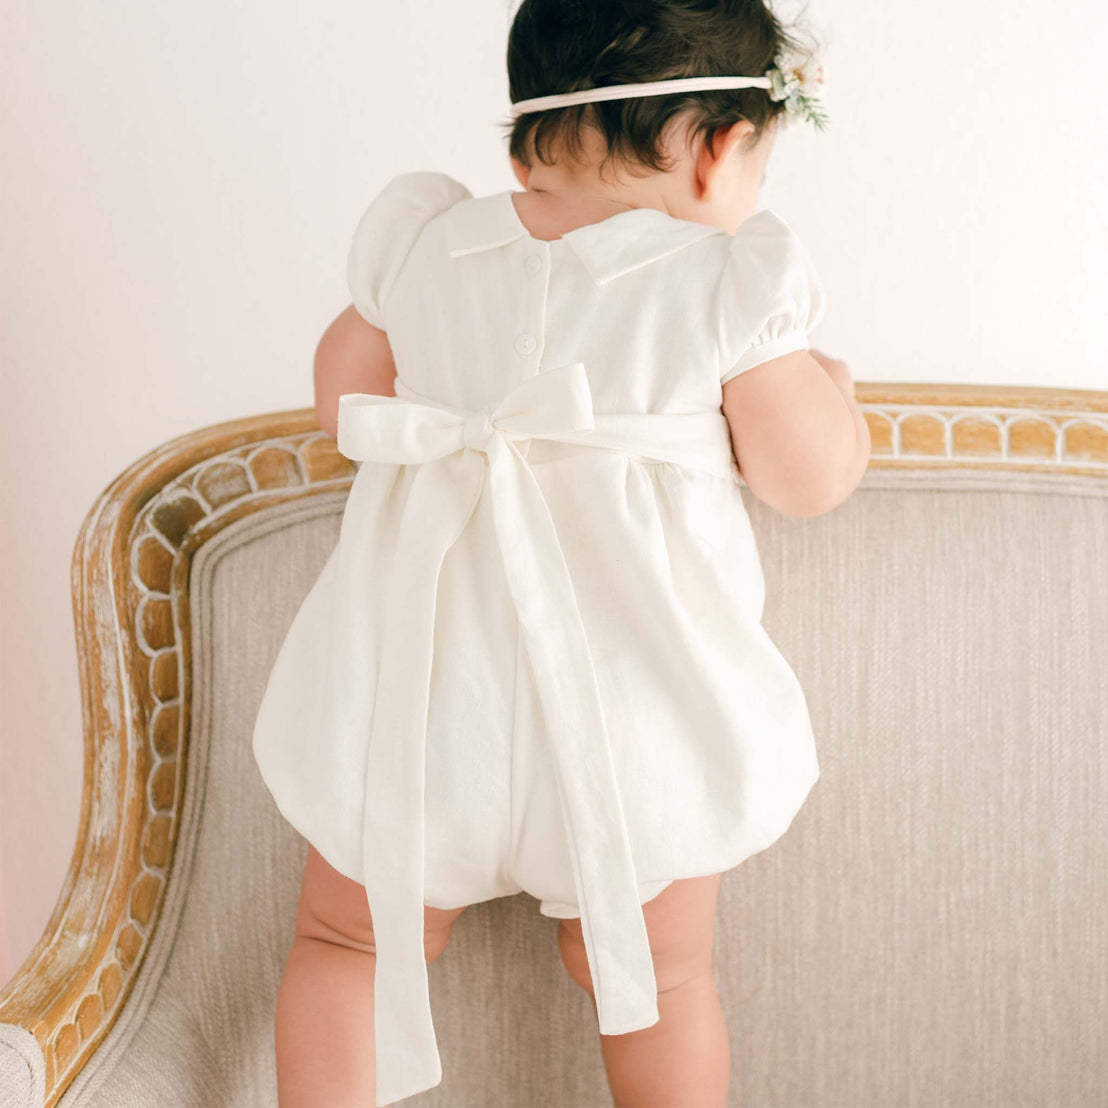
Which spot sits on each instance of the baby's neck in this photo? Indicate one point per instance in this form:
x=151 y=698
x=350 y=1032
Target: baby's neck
x=550 y=213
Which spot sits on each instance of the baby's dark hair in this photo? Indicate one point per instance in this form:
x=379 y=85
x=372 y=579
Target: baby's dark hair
x=557 y=46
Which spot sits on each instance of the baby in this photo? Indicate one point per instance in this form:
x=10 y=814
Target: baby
x=534 y=660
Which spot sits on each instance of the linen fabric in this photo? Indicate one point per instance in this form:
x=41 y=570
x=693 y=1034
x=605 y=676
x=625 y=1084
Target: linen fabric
x=534 y=660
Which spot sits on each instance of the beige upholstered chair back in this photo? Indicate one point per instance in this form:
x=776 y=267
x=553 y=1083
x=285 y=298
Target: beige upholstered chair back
x=930 y=930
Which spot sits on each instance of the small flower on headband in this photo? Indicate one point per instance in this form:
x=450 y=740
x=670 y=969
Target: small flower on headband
x=798 y=79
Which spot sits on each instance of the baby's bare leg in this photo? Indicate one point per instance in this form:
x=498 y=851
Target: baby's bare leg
x=684 y=1060
x=324 y=1018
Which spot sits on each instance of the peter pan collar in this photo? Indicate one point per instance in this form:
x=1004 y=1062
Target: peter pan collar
x=608 y=249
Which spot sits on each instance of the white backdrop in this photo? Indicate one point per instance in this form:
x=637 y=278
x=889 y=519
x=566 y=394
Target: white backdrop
x=180 y=184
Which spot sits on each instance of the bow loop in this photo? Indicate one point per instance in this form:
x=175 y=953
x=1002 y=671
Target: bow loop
x=374 y=428
x=555 y=401
x=402 y=430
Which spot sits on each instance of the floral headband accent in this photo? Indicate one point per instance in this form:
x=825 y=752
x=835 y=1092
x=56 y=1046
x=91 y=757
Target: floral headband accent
x=798 y=79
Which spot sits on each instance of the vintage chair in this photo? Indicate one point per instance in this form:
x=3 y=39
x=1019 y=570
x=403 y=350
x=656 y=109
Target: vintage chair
x=930 y=930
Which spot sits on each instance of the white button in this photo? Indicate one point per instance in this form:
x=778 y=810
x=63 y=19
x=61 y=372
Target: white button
x=525 y=343
x=533 y=263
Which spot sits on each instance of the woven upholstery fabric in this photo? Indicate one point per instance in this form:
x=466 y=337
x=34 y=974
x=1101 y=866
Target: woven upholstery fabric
x=22 y=1068
x=928 y=931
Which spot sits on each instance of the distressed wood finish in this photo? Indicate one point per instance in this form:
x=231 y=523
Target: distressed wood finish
x=130 y=577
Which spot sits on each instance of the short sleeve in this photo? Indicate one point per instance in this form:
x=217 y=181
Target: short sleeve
x=770 y=295
x=387 y=231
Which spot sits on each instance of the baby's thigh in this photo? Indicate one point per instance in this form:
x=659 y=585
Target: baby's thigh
x=680 y=924
x=334 y=908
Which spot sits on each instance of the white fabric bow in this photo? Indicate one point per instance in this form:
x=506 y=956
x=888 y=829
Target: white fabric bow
x=452 y=448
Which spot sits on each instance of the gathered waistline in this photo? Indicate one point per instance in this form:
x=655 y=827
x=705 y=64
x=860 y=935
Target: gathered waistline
x=698 y=440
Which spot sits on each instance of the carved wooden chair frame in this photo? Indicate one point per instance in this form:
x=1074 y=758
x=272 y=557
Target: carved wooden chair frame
x=130 y=583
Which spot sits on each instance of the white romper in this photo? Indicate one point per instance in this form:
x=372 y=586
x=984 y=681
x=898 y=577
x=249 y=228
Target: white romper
x=534 y=659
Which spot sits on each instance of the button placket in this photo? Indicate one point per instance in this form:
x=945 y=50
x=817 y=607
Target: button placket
x=527 y=342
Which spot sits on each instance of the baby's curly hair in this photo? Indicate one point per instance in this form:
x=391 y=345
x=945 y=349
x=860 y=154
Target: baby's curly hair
x=557 y=46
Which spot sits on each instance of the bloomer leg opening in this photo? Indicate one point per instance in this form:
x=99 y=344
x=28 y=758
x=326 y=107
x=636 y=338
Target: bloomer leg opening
x=557 y=909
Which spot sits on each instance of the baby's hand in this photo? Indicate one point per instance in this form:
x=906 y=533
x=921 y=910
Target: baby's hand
x=837 y=370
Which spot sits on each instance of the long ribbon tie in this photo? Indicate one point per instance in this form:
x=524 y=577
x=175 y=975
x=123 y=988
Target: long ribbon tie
x=451 y=448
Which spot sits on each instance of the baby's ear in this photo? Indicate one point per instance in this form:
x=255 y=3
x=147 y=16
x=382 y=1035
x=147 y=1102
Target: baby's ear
x=520 y=170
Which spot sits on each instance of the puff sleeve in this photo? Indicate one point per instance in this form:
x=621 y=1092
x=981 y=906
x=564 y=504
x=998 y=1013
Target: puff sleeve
x=387 y=231
x=770 y=295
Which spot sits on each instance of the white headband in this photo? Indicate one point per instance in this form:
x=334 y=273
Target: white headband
x=646 y=88
x=797 y=79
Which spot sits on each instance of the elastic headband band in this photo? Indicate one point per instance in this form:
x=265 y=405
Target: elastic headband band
x=645 y=88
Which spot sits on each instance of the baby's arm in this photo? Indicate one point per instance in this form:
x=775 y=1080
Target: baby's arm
x=352 y=356
x=801 y=442
x=836 y=369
